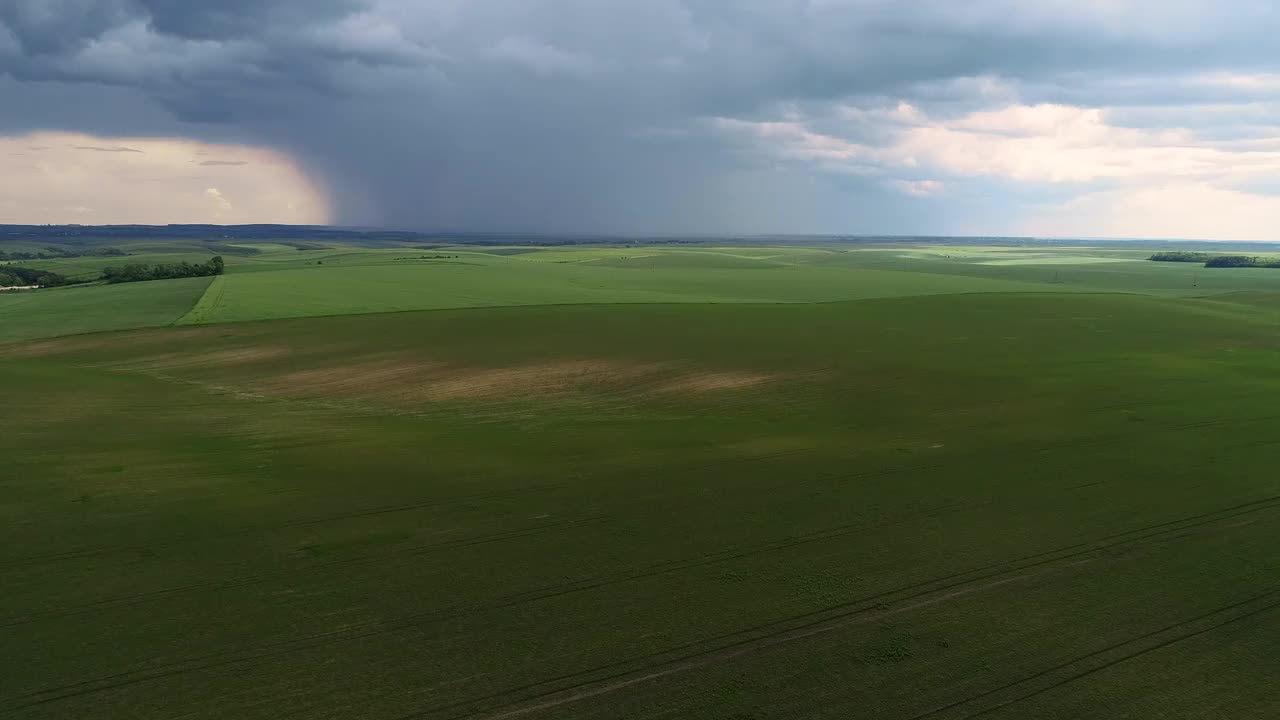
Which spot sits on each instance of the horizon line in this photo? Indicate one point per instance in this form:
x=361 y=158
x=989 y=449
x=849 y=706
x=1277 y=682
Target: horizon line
x=366 y=229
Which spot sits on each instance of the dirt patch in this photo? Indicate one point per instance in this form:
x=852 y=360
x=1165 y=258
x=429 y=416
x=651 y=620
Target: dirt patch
x=101 y=341
x=715 y=381
x=215 y=358
x=386 y=377
x=539 y=379
x=421 y=380
x=51 y=347
x=414 y=379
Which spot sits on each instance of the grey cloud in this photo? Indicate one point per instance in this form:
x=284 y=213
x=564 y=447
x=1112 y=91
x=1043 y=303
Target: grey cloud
x=45 y=27
x=229 y=19
x=223 y=163
x=589 y=114
x=116 y=149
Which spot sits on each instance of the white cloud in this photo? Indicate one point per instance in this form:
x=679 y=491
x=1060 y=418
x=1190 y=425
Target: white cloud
x=1128 y=182
x=221 y=205
x=1059 y=144
x=46 y=176
x=1266 y=82
x=919 y=188
x=1180 y=210
x=1040 y=143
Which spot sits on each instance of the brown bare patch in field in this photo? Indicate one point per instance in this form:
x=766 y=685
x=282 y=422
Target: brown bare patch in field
x=104 y=341
x=189 y=332
x=52 y=347
x=214 y=358
x=708 y=382
x=387 y=376
x=413 y=380
x=535 y=380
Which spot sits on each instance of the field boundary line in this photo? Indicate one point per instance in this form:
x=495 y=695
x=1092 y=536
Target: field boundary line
x=722 y=303
x=216 y=282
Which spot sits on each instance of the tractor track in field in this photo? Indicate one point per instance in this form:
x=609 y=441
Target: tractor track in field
x=569 y=688
x=364 y=630
x=1113 y=439
x=1113 y=655
x=636 y=670
x=376 y=628
x=729 y=653
x=587 y=583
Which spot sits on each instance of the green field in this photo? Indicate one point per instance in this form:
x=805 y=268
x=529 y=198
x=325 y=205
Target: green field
x=338 y=289
x=278 y=281
x=71 y=310
x=610 y=482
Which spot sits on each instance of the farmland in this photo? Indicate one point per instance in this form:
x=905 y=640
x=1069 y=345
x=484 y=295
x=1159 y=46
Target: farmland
x=611 y=482
x=66 y=311
x=273 y=281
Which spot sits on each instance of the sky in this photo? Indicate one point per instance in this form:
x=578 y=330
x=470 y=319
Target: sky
x=1054 y=118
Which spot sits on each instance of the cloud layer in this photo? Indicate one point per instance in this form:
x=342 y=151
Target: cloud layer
x=62 y=178
x=1100 y=117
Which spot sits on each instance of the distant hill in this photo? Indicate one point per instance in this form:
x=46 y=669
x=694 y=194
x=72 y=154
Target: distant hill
x=73 y=234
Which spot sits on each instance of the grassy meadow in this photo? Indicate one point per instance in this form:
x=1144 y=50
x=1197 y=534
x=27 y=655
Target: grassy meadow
x=608 y=482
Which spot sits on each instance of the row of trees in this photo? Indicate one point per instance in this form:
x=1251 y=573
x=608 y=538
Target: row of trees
x=56 y=253
x=1216 y=261
x=14 y=276
x=17 y=276
x=1181 y=256
x=1229 y=261
x=162 y=271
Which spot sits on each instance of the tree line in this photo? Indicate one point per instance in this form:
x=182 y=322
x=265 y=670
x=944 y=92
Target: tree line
x=162 y=271
x=18 y=276
x=1228 y=261
x=1216 y=261
x=1181 y=256
x=14 y=276
x=55 y=253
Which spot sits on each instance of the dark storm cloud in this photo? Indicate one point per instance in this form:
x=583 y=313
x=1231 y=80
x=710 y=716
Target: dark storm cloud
x=592 y=114
x=49 y=27
x=230 y=19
